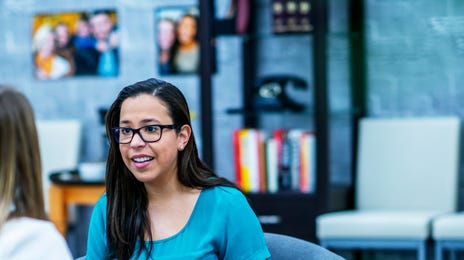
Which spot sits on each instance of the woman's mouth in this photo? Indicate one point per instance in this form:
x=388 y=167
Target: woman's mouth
x=142 y=161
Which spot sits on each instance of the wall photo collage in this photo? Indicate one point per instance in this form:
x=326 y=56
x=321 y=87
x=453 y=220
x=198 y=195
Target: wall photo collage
x=75 y=44
x=86 y=43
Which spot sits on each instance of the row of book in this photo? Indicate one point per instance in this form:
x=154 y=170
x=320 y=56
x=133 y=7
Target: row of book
x=276 y=161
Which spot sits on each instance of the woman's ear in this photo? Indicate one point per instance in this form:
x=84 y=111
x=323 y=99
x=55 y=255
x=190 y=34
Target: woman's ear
x=183 y=137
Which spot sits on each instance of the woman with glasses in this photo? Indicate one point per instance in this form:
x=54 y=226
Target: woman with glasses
x=25 y=232
x=162 y=201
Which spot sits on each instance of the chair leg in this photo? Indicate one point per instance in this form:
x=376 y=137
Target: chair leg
x=422 y=251
x=438 y=250
x=452 y=254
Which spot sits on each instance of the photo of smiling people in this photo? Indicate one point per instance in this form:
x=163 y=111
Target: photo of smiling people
x=75 y=44
x=177 y=40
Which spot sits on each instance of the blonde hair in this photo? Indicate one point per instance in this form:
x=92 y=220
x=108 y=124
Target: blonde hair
x=20 y=167
x=41 y=36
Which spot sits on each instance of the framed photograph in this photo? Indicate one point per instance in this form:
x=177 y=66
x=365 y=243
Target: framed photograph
x=177 y=40
x=75 y=44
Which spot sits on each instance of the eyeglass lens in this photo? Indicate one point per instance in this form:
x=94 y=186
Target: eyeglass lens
x=150 y=133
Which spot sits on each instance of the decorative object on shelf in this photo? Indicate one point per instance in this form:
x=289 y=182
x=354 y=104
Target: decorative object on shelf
x=270 y=93
x=92 y=171
x=232 y=16
x=290 y=16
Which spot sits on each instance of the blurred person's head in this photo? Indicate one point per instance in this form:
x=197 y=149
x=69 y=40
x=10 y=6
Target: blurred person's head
x=83 y=27
x=101 y=25
x=44 y=41
x=187 y=29
x=20 y=167
x=166 y=33
x=62 y=35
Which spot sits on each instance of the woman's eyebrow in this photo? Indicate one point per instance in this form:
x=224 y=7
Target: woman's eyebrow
x=150 y=120
x=144 y=121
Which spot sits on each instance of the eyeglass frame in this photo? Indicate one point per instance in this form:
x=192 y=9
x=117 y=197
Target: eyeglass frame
x=115 y=133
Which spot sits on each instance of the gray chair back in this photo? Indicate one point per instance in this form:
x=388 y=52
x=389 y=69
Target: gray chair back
x=283 y=247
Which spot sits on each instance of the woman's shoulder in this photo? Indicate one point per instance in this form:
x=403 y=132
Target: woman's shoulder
x=31 y=225
x=26 y=236
x=102 y=199
x=224 y=193
x=225 y=190
x=101 y=202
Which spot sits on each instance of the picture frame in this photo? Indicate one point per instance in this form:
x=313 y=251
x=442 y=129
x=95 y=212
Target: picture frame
x=177 y=40
x=72 y=44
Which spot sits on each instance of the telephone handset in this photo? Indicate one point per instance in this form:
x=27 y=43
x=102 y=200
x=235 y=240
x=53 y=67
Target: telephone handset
x=270 y=93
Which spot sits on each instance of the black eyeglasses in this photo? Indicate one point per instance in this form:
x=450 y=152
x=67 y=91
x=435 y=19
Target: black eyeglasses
x=149 y=133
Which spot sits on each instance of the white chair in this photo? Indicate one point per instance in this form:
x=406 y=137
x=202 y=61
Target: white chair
x=407 y=174
x=60 y=142
x=448 y=234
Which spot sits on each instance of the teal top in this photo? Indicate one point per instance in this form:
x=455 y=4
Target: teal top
x=221 y=226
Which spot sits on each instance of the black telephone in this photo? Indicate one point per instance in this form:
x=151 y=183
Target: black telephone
x=270 y=93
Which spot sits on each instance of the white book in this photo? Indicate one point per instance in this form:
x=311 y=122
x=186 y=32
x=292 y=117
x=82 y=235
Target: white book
x=253 y=159
x=294 y=139
x=272 y=165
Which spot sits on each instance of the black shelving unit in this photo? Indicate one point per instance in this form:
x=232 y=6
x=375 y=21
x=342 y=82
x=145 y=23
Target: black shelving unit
x=291 y=213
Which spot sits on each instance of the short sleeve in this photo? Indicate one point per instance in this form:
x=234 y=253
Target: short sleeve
x=244 y=237
x=96 y=240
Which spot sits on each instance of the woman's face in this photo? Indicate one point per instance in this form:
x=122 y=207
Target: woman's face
x=47 y=46
x=186 y=30
x=62 y=35
x=149 y=162
x=166 y=34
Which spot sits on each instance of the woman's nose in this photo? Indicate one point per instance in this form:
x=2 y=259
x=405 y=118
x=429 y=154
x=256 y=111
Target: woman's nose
x=137 y=140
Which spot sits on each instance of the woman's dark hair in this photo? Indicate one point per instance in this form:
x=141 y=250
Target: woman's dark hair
x=127 y=216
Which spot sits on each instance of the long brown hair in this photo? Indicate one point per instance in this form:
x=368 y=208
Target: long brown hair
x=20 y=167
x=127 y=217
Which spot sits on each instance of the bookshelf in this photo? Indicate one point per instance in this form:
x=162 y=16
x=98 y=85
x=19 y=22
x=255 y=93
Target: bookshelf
x=292 y=212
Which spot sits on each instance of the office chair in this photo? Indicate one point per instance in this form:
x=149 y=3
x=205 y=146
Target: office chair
x=407 y=174
x=284 y=247
x=448 y=234
x=59 y=142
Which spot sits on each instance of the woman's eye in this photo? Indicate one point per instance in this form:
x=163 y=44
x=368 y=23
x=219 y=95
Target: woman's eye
x=126 y=131
x=151 y=128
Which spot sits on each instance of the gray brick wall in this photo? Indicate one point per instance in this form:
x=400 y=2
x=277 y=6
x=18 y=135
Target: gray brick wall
x=415 y=56
x=81 y=97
